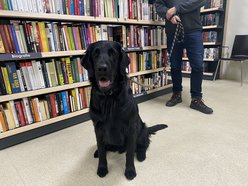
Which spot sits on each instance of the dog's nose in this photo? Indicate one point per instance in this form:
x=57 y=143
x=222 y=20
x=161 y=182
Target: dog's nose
x=102 y=68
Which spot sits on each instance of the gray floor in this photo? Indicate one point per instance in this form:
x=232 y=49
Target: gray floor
x=196 y=149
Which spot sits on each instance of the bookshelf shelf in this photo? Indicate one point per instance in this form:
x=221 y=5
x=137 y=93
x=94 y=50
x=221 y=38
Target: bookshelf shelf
x=209 y=60
x=145 y=72
x=73 y=18
x=42 y=91
x=211 y=27
x=29 y=56
x=211 y=43
x=42 y=124
x=146 y=48
x=210 y=10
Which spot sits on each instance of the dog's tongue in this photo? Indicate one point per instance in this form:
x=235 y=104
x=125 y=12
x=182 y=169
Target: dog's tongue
x=104 y=83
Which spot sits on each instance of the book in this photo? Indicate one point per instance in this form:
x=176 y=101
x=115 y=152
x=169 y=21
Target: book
x=3 y=90
x=13 y=78
x=3 y=122
x=6 y=80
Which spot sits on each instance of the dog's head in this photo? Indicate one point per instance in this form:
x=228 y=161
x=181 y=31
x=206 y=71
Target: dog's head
x=106 y=63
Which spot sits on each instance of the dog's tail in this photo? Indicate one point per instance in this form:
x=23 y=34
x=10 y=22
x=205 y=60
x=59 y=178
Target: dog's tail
x=155 y=128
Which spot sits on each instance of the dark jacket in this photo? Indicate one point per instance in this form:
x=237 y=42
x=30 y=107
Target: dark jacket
x=188 y=11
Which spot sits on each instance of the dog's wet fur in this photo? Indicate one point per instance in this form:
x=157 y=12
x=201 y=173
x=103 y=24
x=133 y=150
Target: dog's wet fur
x=113 y=110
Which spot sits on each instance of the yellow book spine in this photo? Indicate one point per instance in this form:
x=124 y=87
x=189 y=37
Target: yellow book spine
x=6 y=80
x=2 y=49
x=43 y=37
x=69 y=70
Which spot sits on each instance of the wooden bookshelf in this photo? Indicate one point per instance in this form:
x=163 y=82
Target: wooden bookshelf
x=74 y=18
x=145 y=72
x=25 y=94
x=42 y=123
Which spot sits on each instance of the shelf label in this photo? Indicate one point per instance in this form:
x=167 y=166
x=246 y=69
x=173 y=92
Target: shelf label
x=5 y=57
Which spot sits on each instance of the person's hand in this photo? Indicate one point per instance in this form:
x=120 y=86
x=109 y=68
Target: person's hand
x=175 y=19
x=172 y=11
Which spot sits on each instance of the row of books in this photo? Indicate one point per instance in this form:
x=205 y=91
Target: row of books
x=137 y=36
x=26 y=111
x=209 y=53
x=140 y=61
x=213 y=4
x=210 y=36
x=210 y=19
x=133 y=9
x=187 y=68
x=151 y=81
x=24 y=37
x=33 y=75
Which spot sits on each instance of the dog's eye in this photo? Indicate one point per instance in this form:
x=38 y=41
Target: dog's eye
x=96 y=53
x=112 y=52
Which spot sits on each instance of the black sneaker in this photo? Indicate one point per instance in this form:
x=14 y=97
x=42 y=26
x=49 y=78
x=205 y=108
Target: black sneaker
x=175 y=99
x=199 y=105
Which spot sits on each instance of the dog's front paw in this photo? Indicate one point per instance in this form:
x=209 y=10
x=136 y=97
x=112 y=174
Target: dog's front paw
x=130 y=174
x=141 y=156
x=102 y=171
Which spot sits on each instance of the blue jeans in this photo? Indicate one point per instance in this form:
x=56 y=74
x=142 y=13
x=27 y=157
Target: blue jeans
x=194 y=45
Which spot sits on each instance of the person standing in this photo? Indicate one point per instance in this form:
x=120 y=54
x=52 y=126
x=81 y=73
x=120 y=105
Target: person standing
x=187 y=13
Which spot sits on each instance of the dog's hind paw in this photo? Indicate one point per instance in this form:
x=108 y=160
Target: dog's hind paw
x=102 y=171
x=130 y=174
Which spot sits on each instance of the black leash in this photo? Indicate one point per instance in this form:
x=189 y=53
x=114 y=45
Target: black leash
x=178 y=37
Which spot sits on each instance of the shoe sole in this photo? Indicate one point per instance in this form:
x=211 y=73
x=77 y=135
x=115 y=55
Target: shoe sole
x=200 y=110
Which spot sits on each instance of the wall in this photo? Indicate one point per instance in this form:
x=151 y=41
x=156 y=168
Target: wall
x=236 y=24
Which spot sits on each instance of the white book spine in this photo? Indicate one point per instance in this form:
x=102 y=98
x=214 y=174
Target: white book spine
x=30 y=6
x=34 y=5
x=13 y=110
x=28 y=111
x=19 y=75
x=36 y=74
x=36 y=100
x=20 y=5
x=25 y=5
x=51 y=36
x=32 y=77
x=40 y=6
x=26 y=77
x=23 y=40
x=14 y=5
x=54 y=67
x=42 y=80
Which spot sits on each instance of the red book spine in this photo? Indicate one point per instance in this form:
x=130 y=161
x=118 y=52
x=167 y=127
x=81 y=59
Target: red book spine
x=130 y=2
x=20 y=113
x=39 y=38
x=11 y=39
x=76 y=7
x=53 y=104
x=24 y=112
x=4 y=38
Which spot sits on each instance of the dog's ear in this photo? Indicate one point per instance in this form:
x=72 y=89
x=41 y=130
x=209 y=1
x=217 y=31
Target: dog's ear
x=86 y=61
x=124 y=62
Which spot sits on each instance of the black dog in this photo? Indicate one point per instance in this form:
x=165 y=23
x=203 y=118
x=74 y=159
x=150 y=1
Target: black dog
x=113 y=110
